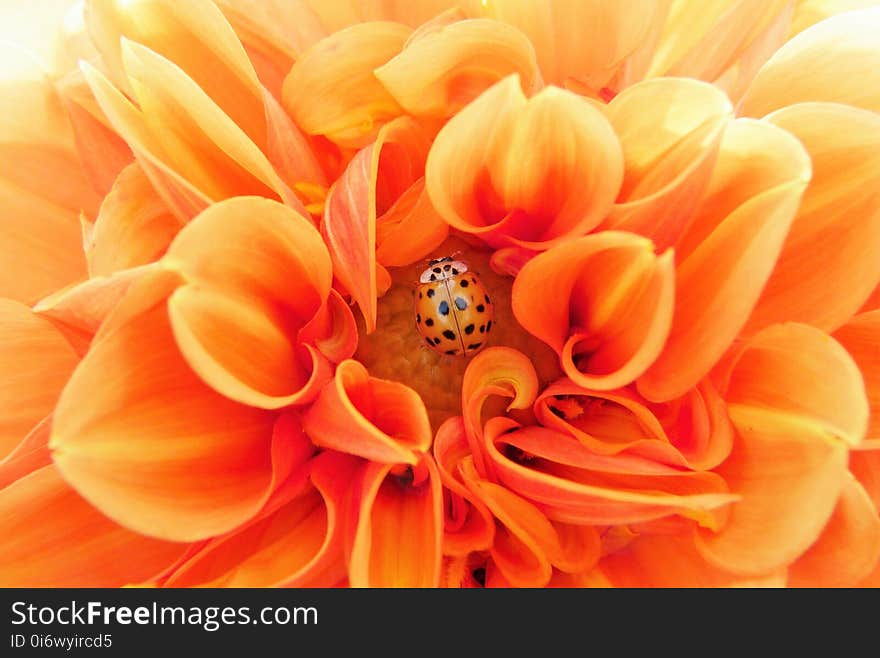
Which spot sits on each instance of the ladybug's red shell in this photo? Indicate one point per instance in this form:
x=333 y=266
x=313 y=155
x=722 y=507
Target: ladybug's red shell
x=454 y=311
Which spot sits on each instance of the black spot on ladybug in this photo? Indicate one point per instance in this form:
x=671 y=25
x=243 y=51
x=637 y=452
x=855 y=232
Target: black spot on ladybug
x=469 y=329
x=420 y=295
x=453 y=352
x=430 y=292
x=430 y=341
x=443 y=308
x=486 y=297
x=460 y=303
x=433 y=278
x=474 y=346
x=464 y=283
x=446 y=267
x=489 y=326
x=454 y=271
x=482 y=328
x=480 y=308
x=418 y=318
x=473 y=280
x=437 y=340
x=449 y=334
x=429 y=322
x=436 y=270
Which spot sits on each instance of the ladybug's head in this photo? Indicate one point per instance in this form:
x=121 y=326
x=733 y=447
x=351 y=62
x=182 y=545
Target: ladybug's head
x=442 y=268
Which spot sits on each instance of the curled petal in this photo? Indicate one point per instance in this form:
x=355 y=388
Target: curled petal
x=256 y=248
x=331 y=89
x=611 y=309
x=528 y=172
x=494 y=371
x=399 y=532
x=134 y=227
x=668 y=153
x=373 y=181
x=574 y=485
x=73 y=545
x=249 y=293
x=728 y=251
x=295 y=542
x=443 y=68
x=796 y=400
x=35 y=363
x=829 y=265
x=468 y=524
x=848 y=548
x=835 y=60
x=144 y=440
x=380 y=420
x=410 y=229
x=861 y=336
x=333 y=329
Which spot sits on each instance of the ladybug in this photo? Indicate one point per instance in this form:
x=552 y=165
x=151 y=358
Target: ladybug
x=454 y=313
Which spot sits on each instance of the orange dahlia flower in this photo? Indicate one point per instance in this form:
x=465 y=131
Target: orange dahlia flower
x=214 y=219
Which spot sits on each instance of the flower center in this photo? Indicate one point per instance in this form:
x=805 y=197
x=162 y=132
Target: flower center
x=397 y=351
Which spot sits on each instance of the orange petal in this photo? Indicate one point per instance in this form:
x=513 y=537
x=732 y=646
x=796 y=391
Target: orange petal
x=237 y=320
x=134 y=227
x=84 y=307
x=831 y=260
x=835 y=61
x=30 y=454
x=673 y=561
x=591 y=41
x=444 y=67
x=574 y=485
x=333 y=329
x=796 y=400
x=525 y=172
x=410 y=230
x=669 y=153
x=35 y=362
x=195 y=36
x=73 y=545
x=377 y=419
x=860 y=336
x=331 y=89
x=398 y=538
x=468 y=524
x=144 y=440
x=296 y=542
x=182 y=196
x=728 y=251
x=494 y=371
x=611 y=310
x=43 y=187
x=848 y=548
x=199 y=139
x=373 y=181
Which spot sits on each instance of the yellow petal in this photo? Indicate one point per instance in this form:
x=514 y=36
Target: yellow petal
x=835 y=60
